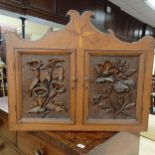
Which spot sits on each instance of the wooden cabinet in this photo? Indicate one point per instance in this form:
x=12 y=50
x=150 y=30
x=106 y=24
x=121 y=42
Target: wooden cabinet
x=31 y=145
x=4 y=130
x=8 y=139
x=6 y=149
x=79 y=79
x=46 y=5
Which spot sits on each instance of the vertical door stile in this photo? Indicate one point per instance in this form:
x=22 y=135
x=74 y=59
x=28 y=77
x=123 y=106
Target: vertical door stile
x=73 y=85
x=80 y=83
x=86 y=85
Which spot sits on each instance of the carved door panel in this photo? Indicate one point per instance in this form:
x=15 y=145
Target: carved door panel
x=113 y=87
x=45 y=91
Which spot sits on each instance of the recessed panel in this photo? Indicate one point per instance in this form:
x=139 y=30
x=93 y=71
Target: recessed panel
x=113 y=84
x=45 y=86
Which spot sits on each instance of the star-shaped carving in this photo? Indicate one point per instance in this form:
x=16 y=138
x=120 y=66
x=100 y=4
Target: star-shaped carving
x=80 y=33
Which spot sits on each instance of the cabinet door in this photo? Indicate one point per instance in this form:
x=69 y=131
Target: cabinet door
x=45 y=88
x=98 y=84
x=114 y=88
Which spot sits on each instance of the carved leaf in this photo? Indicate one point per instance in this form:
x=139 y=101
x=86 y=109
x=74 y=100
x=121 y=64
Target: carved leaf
x=37 y=109
x=127 y=113
x=104 y=105
x=96 y=99
x=129 y=106
x=121 y=101
x=33 y=84
x=51 y=106
x=107 y=111
x=129 y=82
x=59 y=109
x=41 y=110
x=104 y=79
x=130 y=72
x=120 y=87
x=58 y=87
x=58 y=73
x=54 y=107
x=59 y=103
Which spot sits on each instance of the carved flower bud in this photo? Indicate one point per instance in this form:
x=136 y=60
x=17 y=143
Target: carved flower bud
x=34 y=64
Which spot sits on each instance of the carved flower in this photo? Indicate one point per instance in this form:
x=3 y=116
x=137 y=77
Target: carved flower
x=58 y=87
x=56 y=106
x=107 y=69
x=46 y=85
x=52 y=62
x=34 y=64
x=123 y=66
x=40 y=91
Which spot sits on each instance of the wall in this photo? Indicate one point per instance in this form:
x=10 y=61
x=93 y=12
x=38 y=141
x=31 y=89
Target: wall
x=125 y=27
x=33 y=31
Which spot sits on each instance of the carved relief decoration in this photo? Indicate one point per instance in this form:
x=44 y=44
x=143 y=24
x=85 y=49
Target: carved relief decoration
x=44 y=80
x=45 y=85
x=115 y=82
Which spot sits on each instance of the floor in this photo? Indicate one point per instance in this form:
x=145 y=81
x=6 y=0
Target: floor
x=147 y=140
x=147 y=146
